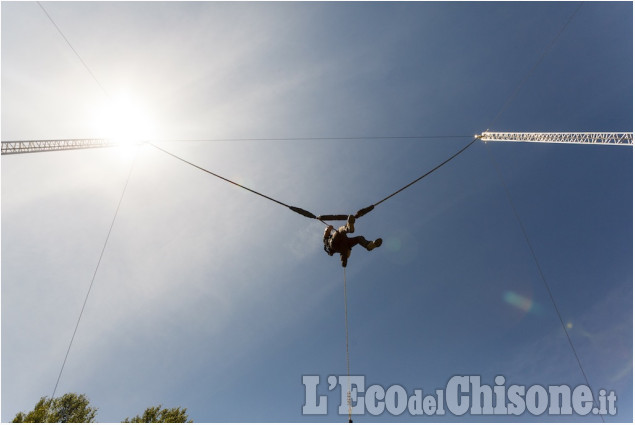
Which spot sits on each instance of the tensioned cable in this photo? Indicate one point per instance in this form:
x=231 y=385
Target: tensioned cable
x=73 y=49
x=427 y=173
x=304 y=212
x=220 y=177
x=92 y=281
x=540 y=272
x=288 y=139
x=295 y=209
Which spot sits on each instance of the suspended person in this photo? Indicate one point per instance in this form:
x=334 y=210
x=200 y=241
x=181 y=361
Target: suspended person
x=336 y=241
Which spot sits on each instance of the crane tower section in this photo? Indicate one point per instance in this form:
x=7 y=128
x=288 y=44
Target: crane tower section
x=31 y=146
x=596 y=138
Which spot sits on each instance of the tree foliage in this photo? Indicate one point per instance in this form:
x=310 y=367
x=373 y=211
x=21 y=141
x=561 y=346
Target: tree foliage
x=76 y=408
x=70 y=407
x=157 y=415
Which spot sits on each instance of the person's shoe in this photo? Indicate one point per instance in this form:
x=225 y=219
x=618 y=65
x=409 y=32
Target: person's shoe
x=374 y=244
x=350 y=223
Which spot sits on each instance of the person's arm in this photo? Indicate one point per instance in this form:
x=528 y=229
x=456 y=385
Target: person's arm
x=327 y=233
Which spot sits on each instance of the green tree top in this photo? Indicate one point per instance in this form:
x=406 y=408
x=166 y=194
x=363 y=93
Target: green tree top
x=76 y=408
x=156 y=415
x=70 y=407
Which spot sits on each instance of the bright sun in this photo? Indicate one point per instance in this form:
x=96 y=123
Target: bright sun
x=125 y=120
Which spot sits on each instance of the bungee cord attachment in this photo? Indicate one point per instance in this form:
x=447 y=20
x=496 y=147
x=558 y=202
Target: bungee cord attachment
x=325 y=217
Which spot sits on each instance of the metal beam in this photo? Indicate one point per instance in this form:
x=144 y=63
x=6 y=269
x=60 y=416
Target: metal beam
x=597 y=138
x=32 y=146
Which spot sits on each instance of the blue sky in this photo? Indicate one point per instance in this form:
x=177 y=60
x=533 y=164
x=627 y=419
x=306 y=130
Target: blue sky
x=214 y=299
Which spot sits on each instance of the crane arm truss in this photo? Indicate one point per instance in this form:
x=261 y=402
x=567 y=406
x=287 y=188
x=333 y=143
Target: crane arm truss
x=597 y=138
x=31 y=146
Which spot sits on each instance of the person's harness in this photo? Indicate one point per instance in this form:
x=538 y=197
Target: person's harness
x=333 y=244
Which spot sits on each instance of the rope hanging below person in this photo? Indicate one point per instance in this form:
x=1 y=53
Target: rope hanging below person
x=348 y=364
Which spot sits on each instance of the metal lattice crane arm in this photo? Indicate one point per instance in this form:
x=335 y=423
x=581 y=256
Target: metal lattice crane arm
x=596 y=138
x=32 y=146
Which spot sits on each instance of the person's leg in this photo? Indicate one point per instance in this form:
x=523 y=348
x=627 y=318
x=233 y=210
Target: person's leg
x=344 y=257
x=369 y=245
x=358 y=240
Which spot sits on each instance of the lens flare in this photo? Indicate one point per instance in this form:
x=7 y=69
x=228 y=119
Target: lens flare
x=393 y=244
x=519 y=301
x=403 y=248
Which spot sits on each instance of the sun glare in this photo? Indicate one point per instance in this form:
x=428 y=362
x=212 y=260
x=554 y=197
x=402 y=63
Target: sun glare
x=126 y=120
